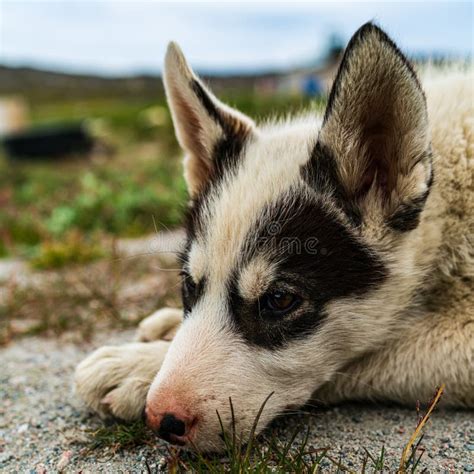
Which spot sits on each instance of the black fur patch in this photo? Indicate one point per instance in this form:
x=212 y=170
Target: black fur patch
x=191 y=291
x=320 y=172
x=226 y=158
x=359 y=36
x=227 y=151
x=407 y=216
x=317 y=258
x=207 y=103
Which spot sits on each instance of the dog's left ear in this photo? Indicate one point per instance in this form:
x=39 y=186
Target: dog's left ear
x=204 y=126
x=376 y=130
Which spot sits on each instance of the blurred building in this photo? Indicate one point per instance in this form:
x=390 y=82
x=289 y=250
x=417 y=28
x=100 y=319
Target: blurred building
x=13 y=114
x=311 y=80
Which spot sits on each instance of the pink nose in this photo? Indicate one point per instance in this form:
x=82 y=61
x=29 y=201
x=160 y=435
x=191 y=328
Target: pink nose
x=172 y=425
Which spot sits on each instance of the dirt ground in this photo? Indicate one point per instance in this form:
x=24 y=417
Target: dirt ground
x=43 y=428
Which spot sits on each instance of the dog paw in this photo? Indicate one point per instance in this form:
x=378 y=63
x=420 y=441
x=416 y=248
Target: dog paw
x=114 y=380
x=162 y=324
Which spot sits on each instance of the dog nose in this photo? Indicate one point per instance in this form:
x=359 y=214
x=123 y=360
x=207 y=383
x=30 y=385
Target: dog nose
x=170 y=425
x=174 y=426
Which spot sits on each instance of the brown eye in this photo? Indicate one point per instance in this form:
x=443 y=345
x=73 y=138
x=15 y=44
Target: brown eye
x=188 y=291
x=279 y=302
x=189 y=286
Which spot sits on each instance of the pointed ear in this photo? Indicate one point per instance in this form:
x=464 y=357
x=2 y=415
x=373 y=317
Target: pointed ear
x=376 y=129
x=207 y=130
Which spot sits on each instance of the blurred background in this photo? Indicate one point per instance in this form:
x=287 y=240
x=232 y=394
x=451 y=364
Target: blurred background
x=89 y=166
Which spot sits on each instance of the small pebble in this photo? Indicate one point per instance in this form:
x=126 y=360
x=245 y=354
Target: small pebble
x=41 y=469
x=64 y=460
x=4 y=457
x=22 y=428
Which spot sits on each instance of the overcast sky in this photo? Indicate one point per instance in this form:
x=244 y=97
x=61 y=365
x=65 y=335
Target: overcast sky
x=122 y=37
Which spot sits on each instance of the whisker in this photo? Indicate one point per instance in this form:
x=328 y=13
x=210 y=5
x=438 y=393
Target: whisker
x=161 y=223
x=146 y=254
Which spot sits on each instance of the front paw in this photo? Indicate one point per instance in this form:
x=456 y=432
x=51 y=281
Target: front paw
x=162 y=324
x=114 y=380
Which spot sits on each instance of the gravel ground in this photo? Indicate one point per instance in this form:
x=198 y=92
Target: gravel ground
x=43 y=428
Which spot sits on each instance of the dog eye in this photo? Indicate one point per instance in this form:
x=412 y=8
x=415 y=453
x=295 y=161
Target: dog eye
x=189 y=287
x=279 y=302
x=188 y=291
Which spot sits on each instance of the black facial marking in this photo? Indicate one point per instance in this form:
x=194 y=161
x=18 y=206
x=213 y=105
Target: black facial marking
x=191 y=294
x=191 y=291
x=358 y=37
x=316 y=257
x=226 y=157
x=320 y=172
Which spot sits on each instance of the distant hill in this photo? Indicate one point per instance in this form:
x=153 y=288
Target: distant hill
x=47 y=85
x=42 y=85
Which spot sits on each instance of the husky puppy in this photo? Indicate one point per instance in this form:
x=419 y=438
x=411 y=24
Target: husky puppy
x=327 y=257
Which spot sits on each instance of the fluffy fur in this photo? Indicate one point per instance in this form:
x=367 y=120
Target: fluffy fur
x=365 y=213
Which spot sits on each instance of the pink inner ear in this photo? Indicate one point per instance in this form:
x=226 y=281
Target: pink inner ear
x=190 y=127
x=190 y=132
x=366 y=181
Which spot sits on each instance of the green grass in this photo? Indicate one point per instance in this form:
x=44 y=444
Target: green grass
x=263 y=454
x=73 y=249
x=118 y=197
x=266 y=453
x=260 y=455
x=119 y=191
x=119 y=436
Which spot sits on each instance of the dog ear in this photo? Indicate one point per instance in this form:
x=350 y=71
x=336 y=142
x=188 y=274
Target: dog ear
x=376 y=129
x=202 y=123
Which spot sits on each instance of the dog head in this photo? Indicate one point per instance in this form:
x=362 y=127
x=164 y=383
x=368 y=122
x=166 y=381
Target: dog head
x=300 y=241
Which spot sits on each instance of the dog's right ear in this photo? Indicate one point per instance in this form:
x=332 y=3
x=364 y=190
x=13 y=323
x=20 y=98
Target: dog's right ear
x=202 y=123
x=376 y=132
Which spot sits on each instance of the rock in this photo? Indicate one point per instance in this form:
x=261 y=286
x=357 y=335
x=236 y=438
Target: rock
x=41 y=469
x=22 y=428
x=64 y=460
x=4 y=457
